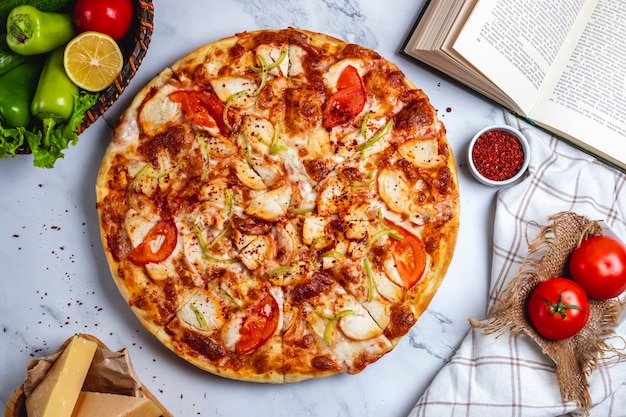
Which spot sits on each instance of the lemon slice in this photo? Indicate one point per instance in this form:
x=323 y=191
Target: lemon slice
x=93 y=61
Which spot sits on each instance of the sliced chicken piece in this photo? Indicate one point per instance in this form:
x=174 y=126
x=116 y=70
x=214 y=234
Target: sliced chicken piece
x=157 y=113
x=285 y=238
x=227 y=86
x=313 y=229
x=296 y=60
x=359 y=325
x=214 y=190
x=330 y=196
x=220 y=147
x=395 y=190
x=387 y=287
x=257 y=252
x=242 y=240
x=258 y=133
x=271 y=54
x=357 y=221
x=248 y=176
x=391 y=271
x=271 y=205
x=269 y=173
x=378 y=311
x=421 y=153
x=203 y=311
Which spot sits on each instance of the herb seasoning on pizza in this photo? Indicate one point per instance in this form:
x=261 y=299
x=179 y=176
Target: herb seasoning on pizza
x=278 y=206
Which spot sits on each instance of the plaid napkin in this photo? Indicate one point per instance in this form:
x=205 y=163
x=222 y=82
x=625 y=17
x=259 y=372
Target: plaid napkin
x=499 y=375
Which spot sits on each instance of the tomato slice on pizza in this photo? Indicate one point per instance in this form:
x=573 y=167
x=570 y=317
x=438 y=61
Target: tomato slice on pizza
x=158 y=244
x=259 y=325
x=202 y=108
x=347 y=101
x=409 y=253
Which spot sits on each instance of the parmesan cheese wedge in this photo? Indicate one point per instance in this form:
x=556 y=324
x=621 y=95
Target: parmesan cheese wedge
x=56 y=394
x=98 y=404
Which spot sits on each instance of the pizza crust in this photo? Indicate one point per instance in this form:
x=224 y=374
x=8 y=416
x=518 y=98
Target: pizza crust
x=285 y=263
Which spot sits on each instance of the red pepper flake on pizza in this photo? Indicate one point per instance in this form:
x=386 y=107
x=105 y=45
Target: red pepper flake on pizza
x=278 y=206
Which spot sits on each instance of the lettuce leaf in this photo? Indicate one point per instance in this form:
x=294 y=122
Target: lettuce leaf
x=12 y=138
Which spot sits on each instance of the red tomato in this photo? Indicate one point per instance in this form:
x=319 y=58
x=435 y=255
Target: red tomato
x=113 y=17
x=202 y=108
x=599 y=266
x=558 y=308
x=347 y=101
x=409 y=255
x=259 y=326
x=158 y=244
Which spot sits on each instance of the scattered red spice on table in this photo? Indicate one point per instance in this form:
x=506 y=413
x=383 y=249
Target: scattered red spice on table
x=498 y=155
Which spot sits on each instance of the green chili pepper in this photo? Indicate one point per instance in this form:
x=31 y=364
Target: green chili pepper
x=31 y=32
x=54 y=98
x=17 y=87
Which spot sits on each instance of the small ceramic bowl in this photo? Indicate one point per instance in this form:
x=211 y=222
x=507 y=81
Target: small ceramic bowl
x=498 y=155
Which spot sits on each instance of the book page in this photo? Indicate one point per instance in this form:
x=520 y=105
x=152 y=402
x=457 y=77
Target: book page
x=515 y=42
x=591 y=83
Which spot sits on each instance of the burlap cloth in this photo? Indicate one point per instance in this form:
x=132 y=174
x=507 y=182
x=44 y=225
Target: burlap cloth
x=576 y=356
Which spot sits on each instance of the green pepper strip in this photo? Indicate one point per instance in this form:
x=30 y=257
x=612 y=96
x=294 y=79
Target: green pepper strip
x=264 y=74
x=228 y=295
x=332 y=319
x=303 y=210
x=370 y=279
x=227 y=106
x=278 y=271
x=389 y=231
x=247 y=148
x=228 y=201
x=366 y=118
x=275 y=64
x=378 y=136
x=206 y=247
x=333 y=254
x=199 y=315
x=274 y=146
x=204 y=147
x=361 y=184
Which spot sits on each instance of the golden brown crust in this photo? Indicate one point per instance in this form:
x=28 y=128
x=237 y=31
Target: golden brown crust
x=280 y=229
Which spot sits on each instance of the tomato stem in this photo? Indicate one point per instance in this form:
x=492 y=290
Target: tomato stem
x=559 y=307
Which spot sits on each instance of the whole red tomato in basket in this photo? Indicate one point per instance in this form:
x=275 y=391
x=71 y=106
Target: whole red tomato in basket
x=112 y=17
x=558 y=308
x=599 y=266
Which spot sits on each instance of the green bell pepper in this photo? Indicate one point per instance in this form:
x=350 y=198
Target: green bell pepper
x=31 y=32
x=54 y=98
x=18 y=87
x=8 y=58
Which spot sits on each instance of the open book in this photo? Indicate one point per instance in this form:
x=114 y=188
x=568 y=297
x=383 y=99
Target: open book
x=560 y=63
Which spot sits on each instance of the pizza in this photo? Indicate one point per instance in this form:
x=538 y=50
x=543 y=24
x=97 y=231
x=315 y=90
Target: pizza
x=279 y=205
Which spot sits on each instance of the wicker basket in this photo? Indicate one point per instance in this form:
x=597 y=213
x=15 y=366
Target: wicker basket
x=16 y=404
x=134 y=47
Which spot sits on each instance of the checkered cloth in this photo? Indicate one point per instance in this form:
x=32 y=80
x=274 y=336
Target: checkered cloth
x=499 y=375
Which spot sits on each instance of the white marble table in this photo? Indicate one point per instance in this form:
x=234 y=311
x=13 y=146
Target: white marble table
x=54 y=280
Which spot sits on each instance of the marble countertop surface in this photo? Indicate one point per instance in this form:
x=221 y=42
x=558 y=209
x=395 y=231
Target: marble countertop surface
x=55 y=282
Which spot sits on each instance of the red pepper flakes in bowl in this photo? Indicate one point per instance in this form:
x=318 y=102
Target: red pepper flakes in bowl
x=498 y=155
